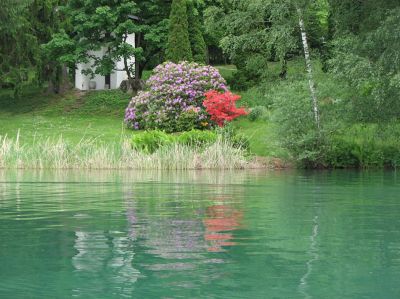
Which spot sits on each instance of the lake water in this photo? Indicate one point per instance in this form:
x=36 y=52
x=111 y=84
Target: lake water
x=199 y=235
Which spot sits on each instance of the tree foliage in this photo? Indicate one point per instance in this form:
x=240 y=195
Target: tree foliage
x=178 y=48
x=197 y=43
x=18 y=44
x=255 y=32
x=46 y=20
x=365 y=52
x=154 y=36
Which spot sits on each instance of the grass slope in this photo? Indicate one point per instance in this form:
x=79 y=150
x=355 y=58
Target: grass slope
x=74 y=116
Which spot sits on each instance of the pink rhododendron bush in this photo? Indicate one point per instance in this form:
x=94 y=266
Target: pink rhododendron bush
x=173 y=98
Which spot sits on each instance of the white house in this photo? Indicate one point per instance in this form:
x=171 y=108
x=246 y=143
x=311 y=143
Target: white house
x=98 y=82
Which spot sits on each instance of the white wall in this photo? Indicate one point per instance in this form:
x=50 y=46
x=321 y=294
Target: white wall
x=82 y=81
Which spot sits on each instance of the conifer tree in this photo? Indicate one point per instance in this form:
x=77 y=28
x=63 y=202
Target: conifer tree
x=18 y=45
x=178 y=48
x=197 y=43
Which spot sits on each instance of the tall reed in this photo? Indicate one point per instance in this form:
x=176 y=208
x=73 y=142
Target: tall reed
x=92 y=154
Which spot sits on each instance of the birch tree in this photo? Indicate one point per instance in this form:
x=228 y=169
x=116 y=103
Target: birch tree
x=307 y=58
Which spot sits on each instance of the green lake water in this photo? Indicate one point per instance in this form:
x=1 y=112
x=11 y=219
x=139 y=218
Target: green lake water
x=199 y=235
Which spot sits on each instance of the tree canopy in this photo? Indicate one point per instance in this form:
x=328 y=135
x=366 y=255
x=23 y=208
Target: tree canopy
x=178 y=48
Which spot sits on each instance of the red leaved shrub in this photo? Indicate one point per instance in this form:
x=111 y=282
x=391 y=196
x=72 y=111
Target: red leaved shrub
x=222 y=106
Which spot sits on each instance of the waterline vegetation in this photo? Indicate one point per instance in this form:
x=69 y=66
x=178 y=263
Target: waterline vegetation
x=91 y=154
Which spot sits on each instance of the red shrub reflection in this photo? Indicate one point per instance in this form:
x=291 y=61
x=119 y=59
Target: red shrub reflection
x=220 y=221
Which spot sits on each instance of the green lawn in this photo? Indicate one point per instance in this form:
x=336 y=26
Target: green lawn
x=97 y=115
x=70 y=128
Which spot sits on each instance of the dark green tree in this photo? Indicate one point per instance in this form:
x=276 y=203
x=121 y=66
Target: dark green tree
x=197 y=43
x=178 y=48
x=154 y=36
x=18 y=45
x=213 y=32
x=45 y=21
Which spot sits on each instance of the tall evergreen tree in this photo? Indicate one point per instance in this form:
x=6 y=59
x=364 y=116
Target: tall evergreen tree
x=18 y=44
x=178 y=48
x=197 y=43
x=45 y=20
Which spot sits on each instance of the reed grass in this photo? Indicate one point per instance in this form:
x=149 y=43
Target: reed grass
x=92 y=154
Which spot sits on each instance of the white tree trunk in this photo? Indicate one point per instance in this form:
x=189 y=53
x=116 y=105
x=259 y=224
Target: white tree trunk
x=309 y=67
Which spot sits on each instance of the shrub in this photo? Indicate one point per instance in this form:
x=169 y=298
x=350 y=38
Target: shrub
x=345 y=151
x=222 y=107
x=340 y=154
x=336 y=145
x=295 y=126
x=229 y=133
x=197 y=138
x=371 y=145
x=240 y=81
x=150 y=141
x=256 y=113
x=173 y=97
x=250 y=72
